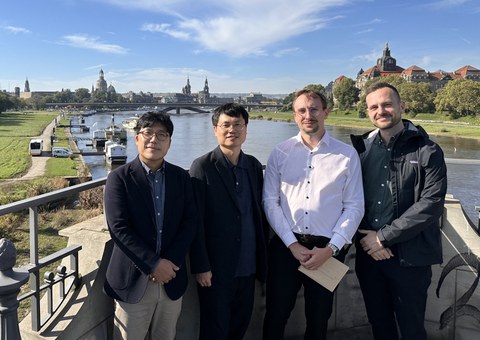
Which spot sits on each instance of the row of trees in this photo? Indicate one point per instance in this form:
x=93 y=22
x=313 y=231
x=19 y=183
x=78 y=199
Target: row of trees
x=459 y=98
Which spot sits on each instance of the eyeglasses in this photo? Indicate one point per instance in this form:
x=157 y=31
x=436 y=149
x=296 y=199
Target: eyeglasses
x=228 y=126
x=312 y=110
x=161 y=135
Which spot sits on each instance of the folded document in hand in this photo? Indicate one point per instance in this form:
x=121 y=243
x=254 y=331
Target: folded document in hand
x=328 y=275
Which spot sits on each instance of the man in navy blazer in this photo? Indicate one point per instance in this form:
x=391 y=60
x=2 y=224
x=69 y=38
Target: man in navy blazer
x=152 y=219
x=229 y=251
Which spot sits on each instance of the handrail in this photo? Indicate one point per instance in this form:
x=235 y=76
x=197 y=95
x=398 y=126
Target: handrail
x=37 y=264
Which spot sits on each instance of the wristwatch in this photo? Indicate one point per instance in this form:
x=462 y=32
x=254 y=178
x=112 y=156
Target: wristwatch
x=334 y=248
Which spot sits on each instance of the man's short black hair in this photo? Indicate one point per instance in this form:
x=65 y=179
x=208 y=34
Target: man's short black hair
x=230 y=109
x=151 y=118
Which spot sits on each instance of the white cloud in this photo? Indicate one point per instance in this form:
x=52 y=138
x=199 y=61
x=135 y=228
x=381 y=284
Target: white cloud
x=15 y=30
x=87 y=42
x=166 y=28
x=444 y=4
x=287 y=51
x=426 y=61
x=238 y=27
x=364 y=31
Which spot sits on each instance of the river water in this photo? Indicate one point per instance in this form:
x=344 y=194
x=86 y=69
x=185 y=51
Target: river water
x=193 y=136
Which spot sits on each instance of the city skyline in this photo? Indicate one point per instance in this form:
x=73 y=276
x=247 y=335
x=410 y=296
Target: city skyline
x=266 y=46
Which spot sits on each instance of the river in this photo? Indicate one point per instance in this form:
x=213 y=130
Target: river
x=193 y=136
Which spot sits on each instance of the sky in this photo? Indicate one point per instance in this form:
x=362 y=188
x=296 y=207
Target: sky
x=240 y=46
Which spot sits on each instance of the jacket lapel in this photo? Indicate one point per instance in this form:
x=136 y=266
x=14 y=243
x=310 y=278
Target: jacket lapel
x=137 y=173
x=224 y=172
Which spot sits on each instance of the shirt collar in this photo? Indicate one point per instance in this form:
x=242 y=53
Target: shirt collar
x=325 y=140
x=242 y=162
x=148 y=170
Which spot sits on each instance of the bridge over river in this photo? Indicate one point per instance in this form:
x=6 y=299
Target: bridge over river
x=164 y=107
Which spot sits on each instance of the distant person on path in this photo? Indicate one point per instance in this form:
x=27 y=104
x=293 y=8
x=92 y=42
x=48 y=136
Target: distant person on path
x=151 y=216
x=230 y=249
x=405 y=181
x=313 y=199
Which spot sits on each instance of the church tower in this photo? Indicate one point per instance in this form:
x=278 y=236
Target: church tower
x=101 y=84
x=205 y=88
x=187 y=89
x=27 y=86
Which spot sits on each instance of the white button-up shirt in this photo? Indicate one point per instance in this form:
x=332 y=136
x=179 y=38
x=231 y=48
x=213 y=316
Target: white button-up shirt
x=314 y=191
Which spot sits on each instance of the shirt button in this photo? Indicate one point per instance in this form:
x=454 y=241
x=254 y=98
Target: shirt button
x=382 y=185
x=384 y=166
x=376 y=220
x=307 y=197
x=379 y=202
x=158 y=214
x=306 y=212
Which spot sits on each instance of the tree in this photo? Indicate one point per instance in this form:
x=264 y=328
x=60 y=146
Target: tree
x=64 y=96
x=6 y=102
x=315 y=87
x=82 y=95
x=459 y=98
x=418 y=97
x=345 y=93
x=288 y=100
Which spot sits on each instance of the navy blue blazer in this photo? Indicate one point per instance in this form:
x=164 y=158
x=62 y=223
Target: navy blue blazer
x=130 y=215
x=217 y=245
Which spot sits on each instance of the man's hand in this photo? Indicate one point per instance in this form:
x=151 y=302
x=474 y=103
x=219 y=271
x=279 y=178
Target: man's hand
x=382 y=254
x=164 y=272
x=370 y=242
x=204 y=279
x=298 y=252
x=318 y=256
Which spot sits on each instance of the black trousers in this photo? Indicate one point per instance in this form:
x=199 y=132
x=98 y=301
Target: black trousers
x=226 y=308
x=393 y=295
x=283 y=283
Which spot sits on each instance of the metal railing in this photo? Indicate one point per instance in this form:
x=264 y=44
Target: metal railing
x=51 y=279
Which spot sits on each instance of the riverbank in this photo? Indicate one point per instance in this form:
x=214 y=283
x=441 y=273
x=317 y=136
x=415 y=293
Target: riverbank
x=435 y=125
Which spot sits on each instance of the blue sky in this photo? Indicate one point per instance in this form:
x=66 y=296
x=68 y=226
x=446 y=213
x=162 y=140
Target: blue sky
x=267 y=46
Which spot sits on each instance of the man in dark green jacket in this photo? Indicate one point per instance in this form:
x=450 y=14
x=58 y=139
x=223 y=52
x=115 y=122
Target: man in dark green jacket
x=405 y=182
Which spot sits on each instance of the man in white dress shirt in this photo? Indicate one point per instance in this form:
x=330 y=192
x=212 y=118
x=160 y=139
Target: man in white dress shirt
x=313 y=199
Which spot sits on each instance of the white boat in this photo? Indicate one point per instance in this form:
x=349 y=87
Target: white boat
x=115 y=132
x=99 y=138
x=115 y=153
x=130 y=122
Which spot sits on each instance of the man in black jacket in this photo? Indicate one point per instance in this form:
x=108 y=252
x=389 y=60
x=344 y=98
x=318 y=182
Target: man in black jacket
x=405 y=182
x=152 y=220
x=230 y=249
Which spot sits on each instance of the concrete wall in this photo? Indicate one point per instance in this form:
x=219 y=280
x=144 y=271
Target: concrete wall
x=89 y=313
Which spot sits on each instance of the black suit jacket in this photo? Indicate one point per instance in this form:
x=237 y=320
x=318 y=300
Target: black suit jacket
x=130 y=215
x=217 y=245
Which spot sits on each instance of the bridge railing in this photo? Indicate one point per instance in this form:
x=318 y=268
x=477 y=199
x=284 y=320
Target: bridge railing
x=35 y=264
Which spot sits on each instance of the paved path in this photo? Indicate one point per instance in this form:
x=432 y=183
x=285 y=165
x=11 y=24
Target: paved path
x=39 y=163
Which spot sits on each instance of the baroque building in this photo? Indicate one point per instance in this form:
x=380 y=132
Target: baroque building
x=101 y=84
x=387 y=65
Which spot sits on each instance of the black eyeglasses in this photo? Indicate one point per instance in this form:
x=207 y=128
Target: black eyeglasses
x=228 y=126
x=161 y=135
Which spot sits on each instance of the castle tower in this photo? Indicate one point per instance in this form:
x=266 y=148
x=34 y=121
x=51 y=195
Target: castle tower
x=386 y=62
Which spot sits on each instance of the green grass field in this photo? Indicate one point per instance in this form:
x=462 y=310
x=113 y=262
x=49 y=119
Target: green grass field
x=16 y=130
